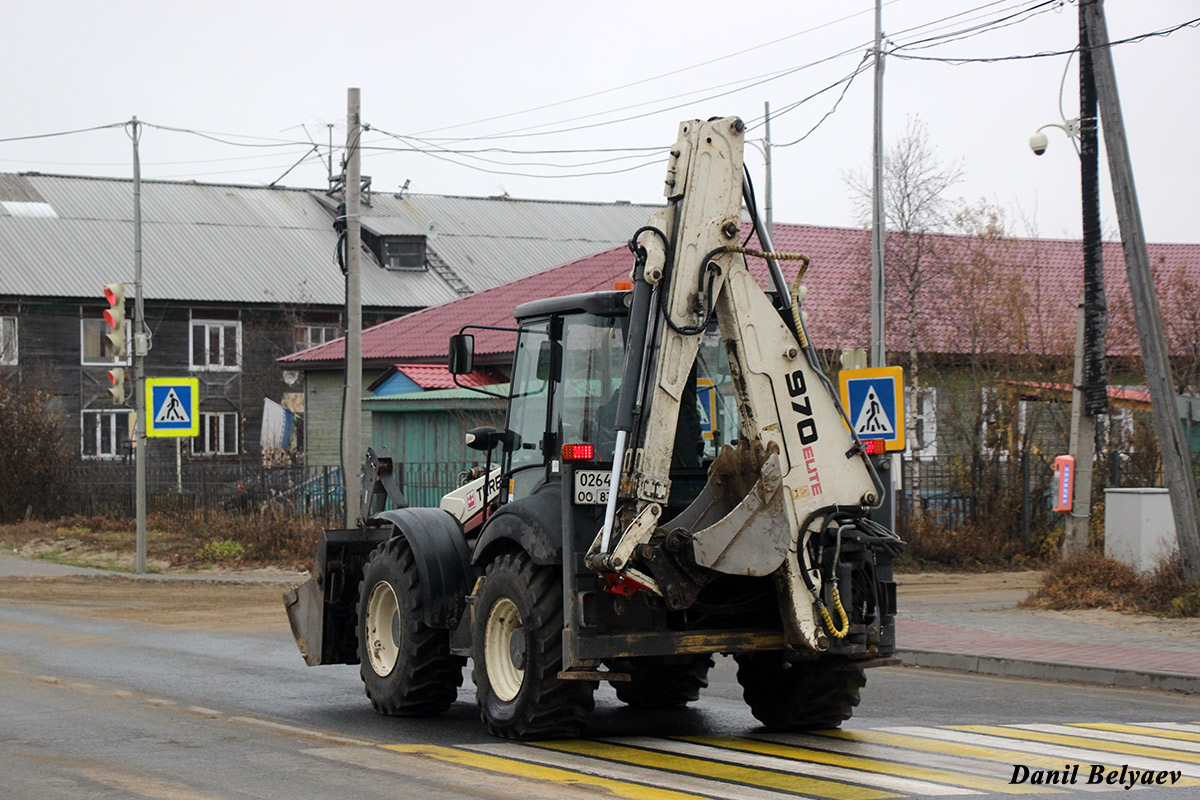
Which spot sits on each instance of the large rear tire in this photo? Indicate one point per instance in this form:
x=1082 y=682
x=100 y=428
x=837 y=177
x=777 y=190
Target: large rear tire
x=661 y=682
x=799 y=695
x=406 y=666
x=517 y=653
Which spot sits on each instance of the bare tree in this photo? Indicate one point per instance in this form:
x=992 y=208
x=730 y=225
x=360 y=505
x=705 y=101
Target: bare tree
x=915 y=182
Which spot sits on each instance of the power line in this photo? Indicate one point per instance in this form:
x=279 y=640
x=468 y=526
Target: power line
x=848 y=80
x=1045 y=54
x=655 y=77
x=63 y=133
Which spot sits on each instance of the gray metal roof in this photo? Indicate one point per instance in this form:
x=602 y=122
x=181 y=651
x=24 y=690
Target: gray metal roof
x=244 y=244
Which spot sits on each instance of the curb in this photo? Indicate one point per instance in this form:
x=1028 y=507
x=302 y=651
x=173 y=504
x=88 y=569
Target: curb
x=1057 y=671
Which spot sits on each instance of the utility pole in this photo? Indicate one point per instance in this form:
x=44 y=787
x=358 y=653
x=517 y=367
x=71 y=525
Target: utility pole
x=352 y=422
x=139 y=355
x=1090 y=396
x=767 y=160
x=878 y=345
x=1174 y=449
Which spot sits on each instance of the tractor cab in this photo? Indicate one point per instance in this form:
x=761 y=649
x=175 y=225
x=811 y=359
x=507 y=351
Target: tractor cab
x=566 y=376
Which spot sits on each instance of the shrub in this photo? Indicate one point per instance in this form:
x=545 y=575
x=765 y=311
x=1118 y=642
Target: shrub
x=34 y=459
x=1089 y=580
x=220 y=551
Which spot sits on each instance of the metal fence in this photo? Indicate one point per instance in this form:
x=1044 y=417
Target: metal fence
x=198 y=488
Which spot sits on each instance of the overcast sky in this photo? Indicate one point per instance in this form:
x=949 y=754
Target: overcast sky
x=272 y=73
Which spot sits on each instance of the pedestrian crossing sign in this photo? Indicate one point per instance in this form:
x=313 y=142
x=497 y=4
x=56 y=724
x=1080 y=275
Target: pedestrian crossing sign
x=874 y=403
x=172 y=407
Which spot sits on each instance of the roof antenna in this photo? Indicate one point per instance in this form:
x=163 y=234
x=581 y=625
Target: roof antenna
x=403 y=189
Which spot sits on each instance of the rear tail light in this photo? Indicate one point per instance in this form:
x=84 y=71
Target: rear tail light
x=578 y=452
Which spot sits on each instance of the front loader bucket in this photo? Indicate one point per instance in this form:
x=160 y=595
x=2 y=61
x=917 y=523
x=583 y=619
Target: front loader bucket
x=305 y=610
x=323 y=610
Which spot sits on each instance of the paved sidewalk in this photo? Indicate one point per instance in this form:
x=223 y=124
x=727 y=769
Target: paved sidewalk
x=954 y=622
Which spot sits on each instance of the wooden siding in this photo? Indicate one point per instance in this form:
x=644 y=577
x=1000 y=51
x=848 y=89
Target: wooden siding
x=323 y=416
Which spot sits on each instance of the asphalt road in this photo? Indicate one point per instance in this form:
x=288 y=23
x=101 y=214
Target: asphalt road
x=116 y=708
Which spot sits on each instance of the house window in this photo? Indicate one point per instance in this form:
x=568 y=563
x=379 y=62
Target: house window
x=218 y=434
x=920 y=423
x=95 y=346
x=216 y=345
x=8 y=340
x=312 y=335
x=106 y=433
x=403 y=252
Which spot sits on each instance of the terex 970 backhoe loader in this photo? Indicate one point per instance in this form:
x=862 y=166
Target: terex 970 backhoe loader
x=676 y=479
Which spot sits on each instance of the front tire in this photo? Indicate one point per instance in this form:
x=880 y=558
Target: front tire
x=799 y=695
x=517 y=652
x=405 y=665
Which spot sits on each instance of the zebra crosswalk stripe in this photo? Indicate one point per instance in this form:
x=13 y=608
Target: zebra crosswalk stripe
x=1033 y=743
x=1138 y=750
x=853 y=764
x=813 y=787
x=823 y=765
x=1108 y=735
x=1162 y=730
x=631 y=774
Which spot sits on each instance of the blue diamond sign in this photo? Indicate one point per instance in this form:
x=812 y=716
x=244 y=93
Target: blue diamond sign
x=172 y=407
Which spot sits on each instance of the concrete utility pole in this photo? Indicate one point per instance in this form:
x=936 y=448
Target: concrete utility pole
x=139 y=356
x=878 y=334
x=1173 y=447
x=1090 y=396
x=352 y=422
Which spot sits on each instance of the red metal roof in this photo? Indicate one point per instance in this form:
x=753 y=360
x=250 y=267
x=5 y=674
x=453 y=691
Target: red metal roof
x=981 y=295
x=437 y=376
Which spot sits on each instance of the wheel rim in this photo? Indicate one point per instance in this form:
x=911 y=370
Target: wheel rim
x=504 y=649
x=383 y=628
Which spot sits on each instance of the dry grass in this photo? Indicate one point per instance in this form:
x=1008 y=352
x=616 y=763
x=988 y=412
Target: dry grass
x=972 y=547
x=1092 y=581
x=267 y=537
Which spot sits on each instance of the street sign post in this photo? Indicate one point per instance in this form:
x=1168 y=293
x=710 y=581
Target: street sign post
x=874 y=402
x=173 y=407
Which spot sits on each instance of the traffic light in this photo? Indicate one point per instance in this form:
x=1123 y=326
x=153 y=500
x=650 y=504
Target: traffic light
x=117 y=376
x=114 y=316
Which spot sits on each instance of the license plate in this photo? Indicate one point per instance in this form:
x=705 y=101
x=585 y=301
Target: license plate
x=591 y=487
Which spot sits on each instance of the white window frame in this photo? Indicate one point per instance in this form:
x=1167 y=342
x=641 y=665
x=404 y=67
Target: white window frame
x=98 y=322
x=222 y=419
x=307 y=340
x=9 y=351
x=920 y=414
x=116 y=451
x=224 y=325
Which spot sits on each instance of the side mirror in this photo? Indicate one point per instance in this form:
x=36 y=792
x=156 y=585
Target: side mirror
x=462 y=353
x=485 y=438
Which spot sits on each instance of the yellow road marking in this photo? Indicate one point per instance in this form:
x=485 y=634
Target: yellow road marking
x=520 y=769
x=1143 y=730
x=1082 y=741
x=726 y=772
x=864 y=763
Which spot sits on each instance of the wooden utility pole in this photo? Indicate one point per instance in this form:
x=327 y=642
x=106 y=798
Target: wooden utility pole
x=352 y=457
x=1181 y=484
